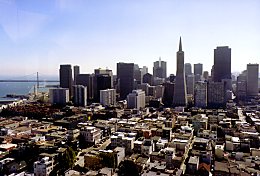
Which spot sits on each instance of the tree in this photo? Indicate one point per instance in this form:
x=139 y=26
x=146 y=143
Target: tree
x=128 y=168
x=65 y=161
x=108 y=159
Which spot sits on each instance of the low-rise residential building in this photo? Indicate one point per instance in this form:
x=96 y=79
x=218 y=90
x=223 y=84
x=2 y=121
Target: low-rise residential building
x=91 y=134
x=43 y=167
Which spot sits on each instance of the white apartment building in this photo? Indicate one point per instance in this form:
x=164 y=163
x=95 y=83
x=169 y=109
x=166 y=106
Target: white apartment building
x=136 y=99
x=59 y=96
x=108 y=97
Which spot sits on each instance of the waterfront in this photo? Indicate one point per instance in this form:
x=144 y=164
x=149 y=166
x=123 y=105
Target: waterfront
x=22 y=88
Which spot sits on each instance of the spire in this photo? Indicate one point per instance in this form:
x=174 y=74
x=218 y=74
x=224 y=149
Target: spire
x=180 y=46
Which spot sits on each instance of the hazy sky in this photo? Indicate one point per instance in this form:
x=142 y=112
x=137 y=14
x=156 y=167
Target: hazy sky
x=39 y=35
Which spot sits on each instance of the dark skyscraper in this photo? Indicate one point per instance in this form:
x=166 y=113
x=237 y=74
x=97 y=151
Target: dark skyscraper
x=76 y=72
x=125 y=78
x=187 y=69
x=160 y=69
x=168 y=93
x=148 y=78
x=198 y=69
x=222 y=64
x=252 y=79
x=180 y=94
x=101 y=82
x=66 y=77
x=86 y=80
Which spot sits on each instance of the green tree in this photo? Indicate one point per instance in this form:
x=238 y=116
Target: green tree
x=128 y=168
x=108 y=159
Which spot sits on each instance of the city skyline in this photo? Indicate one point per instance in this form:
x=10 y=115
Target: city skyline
x=39 y=36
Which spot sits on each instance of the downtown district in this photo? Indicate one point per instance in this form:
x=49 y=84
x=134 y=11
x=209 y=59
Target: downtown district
x=136 y=123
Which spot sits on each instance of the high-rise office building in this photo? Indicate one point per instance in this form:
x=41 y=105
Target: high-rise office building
x=125 y=78
x=190 y=84
x=160 y=69
x=136 y=99
x=59 y=96
x=222 y=64
x=241 y=86
x=180 y=94
x=198 y=69
x=103 y=79
x=216 y=94
x=101 y=82
x=105 y=72
x=76 y=73
x=200 y=95
x=168 y=93
x=188 y=70
x=197 y=78
x=87 y=81
x=148 y=78
x=137 y=74
x=108 y=97
x=66 y=80
x=80 y=95
x=159 y=91
x=252 y=80
x=143 y=70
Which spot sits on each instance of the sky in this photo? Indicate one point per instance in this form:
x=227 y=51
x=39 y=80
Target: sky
x=39 y=35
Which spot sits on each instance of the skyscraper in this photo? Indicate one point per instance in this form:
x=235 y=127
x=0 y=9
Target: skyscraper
x=180 y=94
x=148 y=78
x=190 y=84
x=187 y=69
x=252 y=80
x=200 y=96
x=80 y=95
x=125 y=78
x=66 y=77
x=105 y=72
x=137 y=74
x=144 y=70
x=160 y=69
x=198 y=69
x=86 y=80
x=222 y=63
x=76 y=72
x=101 y=82
x=168 y=93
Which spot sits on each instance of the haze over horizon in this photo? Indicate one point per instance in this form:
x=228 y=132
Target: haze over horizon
x=41 y=35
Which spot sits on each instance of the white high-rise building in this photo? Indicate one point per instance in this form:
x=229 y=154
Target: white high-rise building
x=200 y=94
x=108 y=97
x=136 y=99
x=59 y=96
x=43 y=167
x=80 y=95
